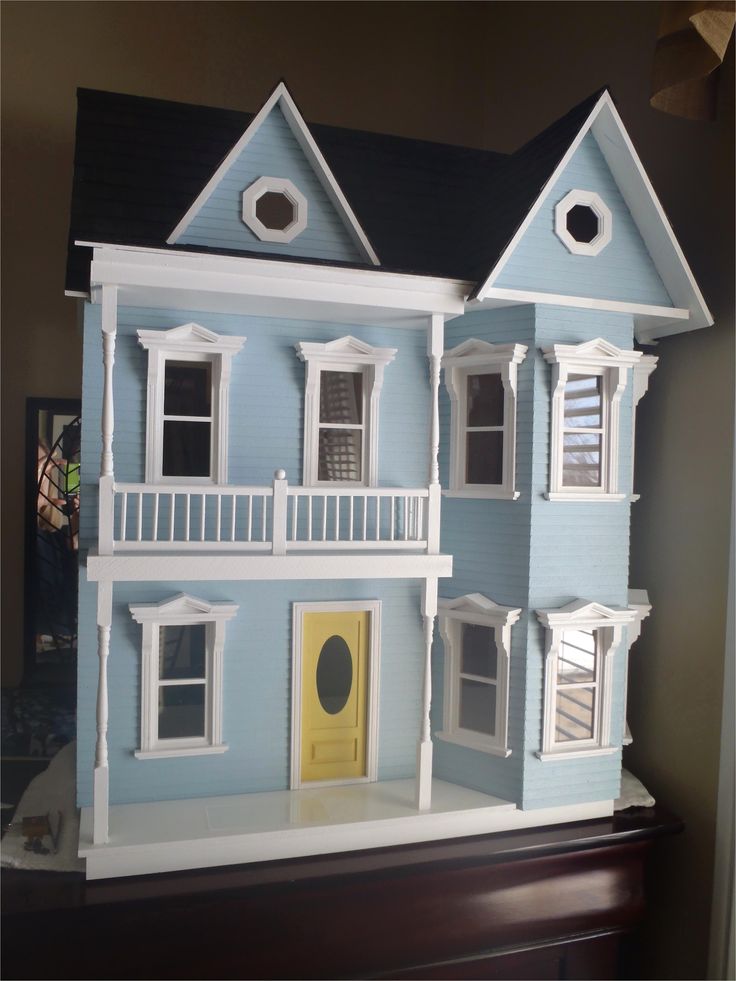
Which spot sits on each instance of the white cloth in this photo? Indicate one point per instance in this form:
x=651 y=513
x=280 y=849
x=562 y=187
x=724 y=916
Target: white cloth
x=633 y=793
x=51 y=791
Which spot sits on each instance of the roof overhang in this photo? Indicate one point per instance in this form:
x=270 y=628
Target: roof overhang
x=689 y=311
x=247 y=286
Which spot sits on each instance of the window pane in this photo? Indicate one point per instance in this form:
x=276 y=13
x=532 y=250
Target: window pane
x=484 y=458
x=485 y=400
x=341 y=397
x=477 y=707
x=180 y=711
x=480 y=655
x=574 y=714
x=576 y=658
x=188 y=388
x=186 y=449
x=583 y=401
x=181 y=651
x=581 y=460
x=340 y=454
x=275 y=210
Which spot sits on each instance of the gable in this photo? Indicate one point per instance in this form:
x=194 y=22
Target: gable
x=274 y=152
x=622 y=271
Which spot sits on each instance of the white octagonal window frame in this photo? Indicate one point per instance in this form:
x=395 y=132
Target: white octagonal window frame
x=586 y=199
x=274 y=185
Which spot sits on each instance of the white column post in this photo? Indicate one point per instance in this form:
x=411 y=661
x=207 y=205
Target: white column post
x=424 y=746
x=106 y=487
x=435 y=347
x=278 y=513
x=101 y=784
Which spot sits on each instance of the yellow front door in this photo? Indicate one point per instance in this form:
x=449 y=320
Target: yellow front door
x=334 y=689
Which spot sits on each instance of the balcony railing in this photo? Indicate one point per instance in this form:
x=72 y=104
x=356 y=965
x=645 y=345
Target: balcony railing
x=275 y=519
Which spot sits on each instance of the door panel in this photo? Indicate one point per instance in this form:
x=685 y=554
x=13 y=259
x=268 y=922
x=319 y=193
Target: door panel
x=334 y=695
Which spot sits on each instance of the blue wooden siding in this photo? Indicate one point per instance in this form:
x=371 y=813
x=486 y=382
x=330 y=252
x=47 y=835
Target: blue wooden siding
x=534 y=553
x=266 y=400
x=257 y=688
x=622 y=271
x=272 y=152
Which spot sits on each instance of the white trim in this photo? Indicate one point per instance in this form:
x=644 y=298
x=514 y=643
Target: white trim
x=475 y=357
x=647 y=212
x=509 y=297
x=642 y=372
x=181 y=610
x=474 y=608
x=607 y=624
x=188 y=342
x=281 y=96
x=585 y=199
x=169 y=836
x=274 y=185
x=600 y=358
x=373 y=609
x=352 y=355
x=639 y=601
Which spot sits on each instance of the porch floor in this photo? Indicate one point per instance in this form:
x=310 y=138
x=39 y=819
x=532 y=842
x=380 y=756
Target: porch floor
x=168 y=836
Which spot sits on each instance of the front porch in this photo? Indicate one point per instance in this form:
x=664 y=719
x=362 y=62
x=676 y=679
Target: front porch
x=169 y=836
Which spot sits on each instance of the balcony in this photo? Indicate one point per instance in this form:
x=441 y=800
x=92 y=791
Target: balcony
x=278 y=519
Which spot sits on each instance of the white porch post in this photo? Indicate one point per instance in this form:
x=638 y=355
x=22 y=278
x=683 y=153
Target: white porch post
x=106 y=490
x=435 y=345
x=101 y=785
x=424 y=746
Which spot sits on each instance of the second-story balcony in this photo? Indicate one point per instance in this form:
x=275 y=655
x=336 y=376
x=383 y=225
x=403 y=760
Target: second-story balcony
x=276 y=519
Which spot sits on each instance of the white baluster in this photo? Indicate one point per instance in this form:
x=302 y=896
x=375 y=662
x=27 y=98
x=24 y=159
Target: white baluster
x=154 y=535
x=233 y=505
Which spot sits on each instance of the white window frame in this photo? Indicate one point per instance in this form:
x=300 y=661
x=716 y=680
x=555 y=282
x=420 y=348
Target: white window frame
x=608 y=622
x=475 y=357
x=181 y=610
x=452 y=614
x=275 y=185
x=597 y=357
x=188 y=342
x=352 y=355
x=585 y=199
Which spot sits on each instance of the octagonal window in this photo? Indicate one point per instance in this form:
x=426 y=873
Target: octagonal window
x=583 y=222
x=274 y=209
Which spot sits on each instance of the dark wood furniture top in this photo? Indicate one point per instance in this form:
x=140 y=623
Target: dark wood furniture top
x=549 y=903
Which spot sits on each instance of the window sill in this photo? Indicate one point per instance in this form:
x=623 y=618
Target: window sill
x=490 y=494
x=576 y=754
x=584 y=496
x=468 y=742
x=160 y=754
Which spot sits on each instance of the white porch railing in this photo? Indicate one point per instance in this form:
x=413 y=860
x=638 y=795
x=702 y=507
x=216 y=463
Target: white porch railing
x=275 y=519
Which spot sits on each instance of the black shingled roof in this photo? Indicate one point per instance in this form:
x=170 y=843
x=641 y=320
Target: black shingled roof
x=426 y=208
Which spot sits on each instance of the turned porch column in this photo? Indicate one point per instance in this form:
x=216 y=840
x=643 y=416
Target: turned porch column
x=101 y=779
x=106 y=489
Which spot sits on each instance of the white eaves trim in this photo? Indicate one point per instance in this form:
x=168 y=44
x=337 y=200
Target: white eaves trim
x=161 y=269
x=645 y=208
x=281 y=97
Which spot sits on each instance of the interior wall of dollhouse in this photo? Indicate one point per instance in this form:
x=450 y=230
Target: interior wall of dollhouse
x=481 y=74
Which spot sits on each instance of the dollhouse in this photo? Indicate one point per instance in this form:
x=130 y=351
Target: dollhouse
x=357 y=470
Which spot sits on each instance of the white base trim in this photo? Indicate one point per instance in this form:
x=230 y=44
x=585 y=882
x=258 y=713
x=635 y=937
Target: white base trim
x=160 y=754
x=491 y=494
x=587 y=497
x=468 y=742
x=570 y=754
x=173 y=835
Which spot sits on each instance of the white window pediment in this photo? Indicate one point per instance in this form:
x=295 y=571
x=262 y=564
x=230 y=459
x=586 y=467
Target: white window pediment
x=181 y=676
x=477 y=638
x=481 y=380
x=582 y=639
x=187 y=434
x=588 y=381
x=344 y=378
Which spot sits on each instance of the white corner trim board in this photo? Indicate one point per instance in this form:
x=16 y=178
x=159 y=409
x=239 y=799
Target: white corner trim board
x=286 y=188
x=463 y=363
x=595 y=203
x=184 y=611
x=188 y=342
x=455 y=615
x=282 y=97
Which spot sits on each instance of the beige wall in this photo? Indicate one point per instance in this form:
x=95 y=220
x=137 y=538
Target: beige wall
x=484 y=74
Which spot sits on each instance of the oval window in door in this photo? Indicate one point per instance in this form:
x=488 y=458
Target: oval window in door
x=334 y=674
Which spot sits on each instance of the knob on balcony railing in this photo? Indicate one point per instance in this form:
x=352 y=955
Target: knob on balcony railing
x=279 y=475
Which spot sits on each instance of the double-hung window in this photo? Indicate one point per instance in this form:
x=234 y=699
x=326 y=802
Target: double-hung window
x=187 y=404
x=582 y=640
x=588 y=381
x=181 y=676
x=481 y=379
x=343 y=385
x=477 y=637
